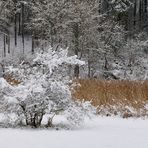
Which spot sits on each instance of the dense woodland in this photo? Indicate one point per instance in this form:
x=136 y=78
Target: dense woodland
x=111 y=36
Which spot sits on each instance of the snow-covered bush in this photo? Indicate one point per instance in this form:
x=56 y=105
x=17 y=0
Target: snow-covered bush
x=44 y=88
x=77 y=111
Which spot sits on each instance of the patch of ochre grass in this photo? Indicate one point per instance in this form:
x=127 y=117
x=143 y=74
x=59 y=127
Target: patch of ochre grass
x=11 y=80
x=113 y=92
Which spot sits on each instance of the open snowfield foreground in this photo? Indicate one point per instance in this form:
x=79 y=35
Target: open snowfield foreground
x=98 y=133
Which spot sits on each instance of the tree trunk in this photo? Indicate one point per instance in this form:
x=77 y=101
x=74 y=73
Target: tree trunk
x=15 y=29
x=32 y=49
x=23 y=26
x=9 y=44
x=140 y=14
x=89 y=64
x=135 y=9
x=145 y=6
x=76 y=46
x=4 y=45
x=19 y=29
x=53 y=34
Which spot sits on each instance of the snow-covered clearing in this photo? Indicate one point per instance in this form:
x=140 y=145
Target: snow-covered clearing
x=98 y=133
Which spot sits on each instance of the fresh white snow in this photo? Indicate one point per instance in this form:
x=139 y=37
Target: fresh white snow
x=100 y=132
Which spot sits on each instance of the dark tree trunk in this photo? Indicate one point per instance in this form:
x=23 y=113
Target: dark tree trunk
x=89 y=69
x=140 y=14
x=135 y=9
x=15 y=29
x=76 y=46
x=8 y=43
x=32 y=49
x=23 y=26
x=4 y=45
x=106 y=68
x=145 y=6
x=19 y=29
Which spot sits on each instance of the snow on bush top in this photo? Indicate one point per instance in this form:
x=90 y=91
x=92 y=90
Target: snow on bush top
x=53 y=59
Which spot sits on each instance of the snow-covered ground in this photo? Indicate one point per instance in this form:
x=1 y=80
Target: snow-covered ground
x=98 y=133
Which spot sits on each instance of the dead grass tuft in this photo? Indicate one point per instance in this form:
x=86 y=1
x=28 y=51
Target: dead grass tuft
x=11 y=80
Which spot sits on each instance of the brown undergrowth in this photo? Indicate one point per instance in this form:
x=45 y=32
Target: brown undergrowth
x=117 y=97
x=11 y=80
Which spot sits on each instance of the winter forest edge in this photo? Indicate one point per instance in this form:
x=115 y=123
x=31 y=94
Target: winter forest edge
x=48 y=46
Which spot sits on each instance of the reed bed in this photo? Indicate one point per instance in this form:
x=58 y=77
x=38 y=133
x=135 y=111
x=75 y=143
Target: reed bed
x=124 y=97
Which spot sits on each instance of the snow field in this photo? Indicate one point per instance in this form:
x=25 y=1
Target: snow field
x=101 y=132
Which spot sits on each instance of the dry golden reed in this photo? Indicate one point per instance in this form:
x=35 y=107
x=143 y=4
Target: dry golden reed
x=113 y=92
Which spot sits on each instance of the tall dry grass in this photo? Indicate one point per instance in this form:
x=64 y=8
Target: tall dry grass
x=115 y=94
